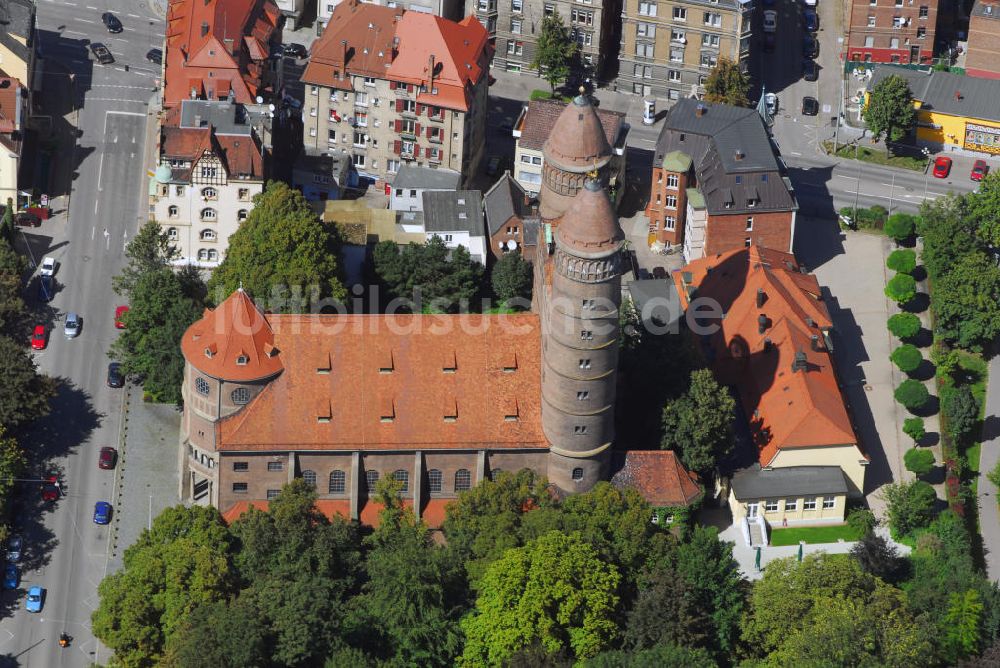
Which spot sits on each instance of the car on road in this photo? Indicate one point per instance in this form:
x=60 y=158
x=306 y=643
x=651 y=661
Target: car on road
x=771 y=101
x=101 y=53
x=809 y=3
x=107 y=458
x=26 y=219
x=770 y=20
x=111 y=22
x=72 y=326
x=294 y=50
x=102 y=512
x=810 y=71
x=11 y=578
x=50 y=488
x=120 y=317
x=810 y=19
x=810 y=47
x=46 y=288
x=155 y=56
x=493 y=165
x=810 y=106
x=115 y=376
x=15 y=547
x=979 y=170
x=38 y=338
x=48 y=266
x=769 y=42
x=35 y=600
x=942 y=167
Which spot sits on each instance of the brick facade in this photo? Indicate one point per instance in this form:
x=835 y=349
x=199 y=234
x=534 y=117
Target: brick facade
x=983 y=56
x=892 y=31
x=666 y=216
x=729 y=232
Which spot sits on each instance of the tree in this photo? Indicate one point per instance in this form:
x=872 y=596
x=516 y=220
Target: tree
x=963 y=622
x=949 y=234
x=666 y=611
x=12 y=266
x=904 y=325
x=148 y=252
x=907 y=357
x=901 y=288
x=7 y=228
x=12 y=462
x=876 y=556
x=282 y=254
x=966 y=301
x=903 y=260
x=919 y=461
x=900 y=226
x=961 y=410
x=698 y=424
x=909 y=506
x=512 y=277
x=555 y=51
x=661 y=656
x=889 y=113
x=862 y=520
x=727 y=84
x=912 y=394
x=149 y=347
x=984 y=210
x=24 y=393
x=555 y=590
x=427 y=276
x=914 y=428
x=219 y=635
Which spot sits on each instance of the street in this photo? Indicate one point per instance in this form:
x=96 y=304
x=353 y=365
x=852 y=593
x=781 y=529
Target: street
x=66 y=553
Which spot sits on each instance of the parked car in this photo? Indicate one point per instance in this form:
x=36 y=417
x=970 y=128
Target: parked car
x=294 y=50
x=493 y=165
x=155 y=56
x=27 y=219
x=72 y=326
x=50 y=488
x=810 y=47
x=810 y=71
x=811 y=20
x=771 y=101
x=770 y=20
x=11 y=577
x=769 y=42
x=102 y=512
x=15 y=546
x=38 y=338
x=46 y=289
x=942 y=167
x=115 y=376
x=48 y=267
x=107 y=458
x=111 y=22
x=35 y=600
x=810 y=106
x=120 y=317
x=979 y=170
x=809 y=3
x=101 y=53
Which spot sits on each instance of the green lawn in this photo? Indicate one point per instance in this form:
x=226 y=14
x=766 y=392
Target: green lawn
x=539 y=94
x=811 y=535
x=877 y=157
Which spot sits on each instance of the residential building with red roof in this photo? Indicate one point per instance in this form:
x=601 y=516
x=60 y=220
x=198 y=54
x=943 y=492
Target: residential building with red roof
x=218 y=50
x=773 y=345
x=391 y=87
x=437 y=402
x=14 y=109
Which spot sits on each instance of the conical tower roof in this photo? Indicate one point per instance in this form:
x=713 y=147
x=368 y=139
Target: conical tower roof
x=232 y=342
x=590 y=227
x=577 y=141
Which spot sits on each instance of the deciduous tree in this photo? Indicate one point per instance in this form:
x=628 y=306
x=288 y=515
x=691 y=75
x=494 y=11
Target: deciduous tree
x=904 y=325
x=910 y=506
x=901 y=288
x=698 y=424
x=660 y=656
x=148 y=252
x=876 y=556
x=912 y=394
x=907 y=357
x=961 y=410
x=963 y=622
x=555 y=51
x=889 y=113
x=12 y=311
x=430 y=276
x=219 y=635
x=512 y=276
x=900 y=226
x=966 y=301
x=727 y=84
x=903 y=260
x=914 y=428
x=919 y=461
x=24 y=393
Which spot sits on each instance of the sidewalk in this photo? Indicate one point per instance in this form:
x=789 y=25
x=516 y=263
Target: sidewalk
x=987 y=494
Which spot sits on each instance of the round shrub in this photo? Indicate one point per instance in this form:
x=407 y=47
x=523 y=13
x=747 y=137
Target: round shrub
x=900 y=226
x=901 y=288
x=904 y=325
x=914 y=428
x=918 y=460
x=903 y=260
x=912 y=394
x=907 y=357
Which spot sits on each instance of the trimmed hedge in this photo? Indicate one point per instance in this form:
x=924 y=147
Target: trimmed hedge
x=904 y=325
x=901 y=288
x=903 y=260
x=912 y=394
x=907 y=357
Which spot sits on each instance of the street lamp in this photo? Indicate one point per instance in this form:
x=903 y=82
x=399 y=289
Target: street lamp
x=927 y=154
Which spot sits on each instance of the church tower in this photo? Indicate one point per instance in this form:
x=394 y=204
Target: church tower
x=576 y=146
x=580 y=338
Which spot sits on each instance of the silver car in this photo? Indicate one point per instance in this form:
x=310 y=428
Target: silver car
x=72 y=326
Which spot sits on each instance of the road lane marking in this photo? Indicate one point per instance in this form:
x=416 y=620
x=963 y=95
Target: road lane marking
x=124 y=113
x=74 y=32
x=116 y=99
x=86 y=21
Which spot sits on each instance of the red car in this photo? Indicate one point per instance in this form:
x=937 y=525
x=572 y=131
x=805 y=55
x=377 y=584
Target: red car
x=120 y=317
x=38 y=338
x=50 y=488
x=107 y=458
x=979 y=170
x=942 y=167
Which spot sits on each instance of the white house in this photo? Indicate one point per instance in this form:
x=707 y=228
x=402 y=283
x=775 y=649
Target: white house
x=456 y=217
x=412 y=182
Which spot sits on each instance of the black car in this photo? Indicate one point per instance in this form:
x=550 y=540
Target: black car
x=111 y=22
x=27 y=219
x=155 y=56
x=810 y=71
x=810 y=106
x=810 y=47
x=46 y=289
x=102 y=54
x=294 y=50
x=115 y=376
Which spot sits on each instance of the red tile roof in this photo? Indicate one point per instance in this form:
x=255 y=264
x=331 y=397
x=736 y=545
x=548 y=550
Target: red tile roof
x=240 y=154
x=205 y=40
x=541 y=117
x=659 y=476
x=786 y=408
x=432 y=515
x=10 y=94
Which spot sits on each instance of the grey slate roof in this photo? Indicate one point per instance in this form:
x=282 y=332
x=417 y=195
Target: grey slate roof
x=228 y=118
x=755 y=483
x=980 y=9
x=504 y=201
x=732 y=153
x=17 y=17
x=657 y=302
x=427 y=178
x=313 y=161
x=446 y=211
x=936 y=91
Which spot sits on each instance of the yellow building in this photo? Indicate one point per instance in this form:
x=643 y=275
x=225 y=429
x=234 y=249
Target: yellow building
x=954 y=113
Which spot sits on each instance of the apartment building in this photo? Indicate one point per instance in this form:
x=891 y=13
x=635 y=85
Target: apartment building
x=13 y=114
x=392 y=87
x=516 y=24
x=892 y=31
x=669 y=48
x=982 y=58
x=449 y=9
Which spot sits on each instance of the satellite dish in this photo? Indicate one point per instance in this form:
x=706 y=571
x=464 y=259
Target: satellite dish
x=270 y=107
x=260 y=100
x=511 y=244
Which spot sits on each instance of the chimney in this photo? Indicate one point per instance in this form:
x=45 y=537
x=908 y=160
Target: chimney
x=700 y=110
x=958 y=95
x=815 y=342
x=739 y=154
x=230 y=45
x=761 y=297
x=762 y=323
x=204 y=28
x=197 y=120
x=343 y=43
x=800 y=363
x=767 y=345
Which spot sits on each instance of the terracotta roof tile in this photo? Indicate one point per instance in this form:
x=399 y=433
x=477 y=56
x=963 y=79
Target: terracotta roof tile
x=658 y=475
x=368 y=29
x=241 y=155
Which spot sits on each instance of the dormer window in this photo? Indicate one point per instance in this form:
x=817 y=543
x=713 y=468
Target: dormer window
x=450 y=410
x=210 y=351
x=242 y=360
x=386 y=364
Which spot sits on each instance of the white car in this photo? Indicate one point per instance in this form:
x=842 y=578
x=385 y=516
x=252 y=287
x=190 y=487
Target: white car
x=770 y=20
x=809 y=3
x=49 y=266
x=771 y=100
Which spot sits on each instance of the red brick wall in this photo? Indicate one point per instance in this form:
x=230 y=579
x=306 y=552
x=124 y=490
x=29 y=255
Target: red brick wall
x=656 y=210
x=983 y=57
x=500 y=238
x=883 y=31
x=728 y=232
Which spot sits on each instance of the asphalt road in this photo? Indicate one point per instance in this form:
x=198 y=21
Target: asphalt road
x=66 y=552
